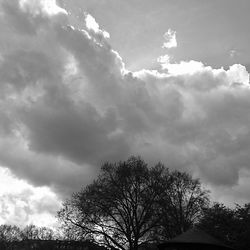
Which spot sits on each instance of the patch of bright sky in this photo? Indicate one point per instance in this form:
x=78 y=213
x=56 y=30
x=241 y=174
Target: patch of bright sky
x=10 y=184
x=17 y=196
x=208 y=31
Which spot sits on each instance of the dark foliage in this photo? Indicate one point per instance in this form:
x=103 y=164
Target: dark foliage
x=50 y=245
x=231 y=225
x=131 y=204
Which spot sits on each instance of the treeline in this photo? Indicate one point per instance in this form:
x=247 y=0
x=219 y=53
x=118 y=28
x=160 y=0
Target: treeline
x=12 y=233
x=33 y=237
x=230 y=225
x=131 y=205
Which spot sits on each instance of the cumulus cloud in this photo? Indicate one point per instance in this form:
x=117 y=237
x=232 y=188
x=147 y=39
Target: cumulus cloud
x=52 y=98
x=68 y=104
x=44 y=7
x=170 y=39
x=164 y=60
x=22 y=204
x=91 y=24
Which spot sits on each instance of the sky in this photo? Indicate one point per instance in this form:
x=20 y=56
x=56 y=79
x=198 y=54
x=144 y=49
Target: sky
x=83 y=82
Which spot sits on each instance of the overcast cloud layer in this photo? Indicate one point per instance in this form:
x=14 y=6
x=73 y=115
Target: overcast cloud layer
x=68 y=104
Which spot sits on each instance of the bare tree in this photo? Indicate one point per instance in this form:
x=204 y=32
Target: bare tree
x=32 y=232
x=124 y=207
x=9 y=233
x=184 y=202
x=231 y=225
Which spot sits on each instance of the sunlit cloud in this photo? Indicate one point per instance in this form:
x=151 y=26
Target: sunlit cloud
x=47 y=7
x=22 y=204
x=91 y=24
x=164 y=60
x=170 y=39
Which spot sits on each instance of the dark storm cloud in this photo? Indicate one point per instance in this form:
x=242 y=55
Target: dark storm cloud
x=68 y=104
x=48 y=116
x=77 y=133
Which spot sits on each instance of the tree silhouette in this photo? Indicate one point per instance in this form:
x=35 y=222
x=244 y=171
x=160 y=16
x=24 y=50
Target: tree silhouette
x=32 y=232
x=183 y=203
x=8 y=235
x=230 y=225
x=125 y=206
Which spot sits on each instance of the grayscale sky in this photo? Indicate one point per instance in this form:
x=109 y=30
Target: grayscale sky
x=83 y=82
x=215 y=32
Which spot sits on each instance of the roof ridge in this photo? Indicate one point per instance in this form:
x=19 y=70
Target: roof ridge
x=194 y=236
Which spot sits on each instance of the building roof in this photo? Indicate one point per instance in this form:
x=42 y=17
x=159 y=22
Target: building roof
x=194 y=237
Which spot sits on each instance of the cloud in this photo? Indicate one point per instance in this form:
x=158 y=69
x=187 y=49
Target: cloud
x=21 y=204
x=54 y=118
x=91 y=24
x=164 y=60
x=68 y=104
x=170 y=39
x=203 y=125
x=41 y=7
x=182 y=68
